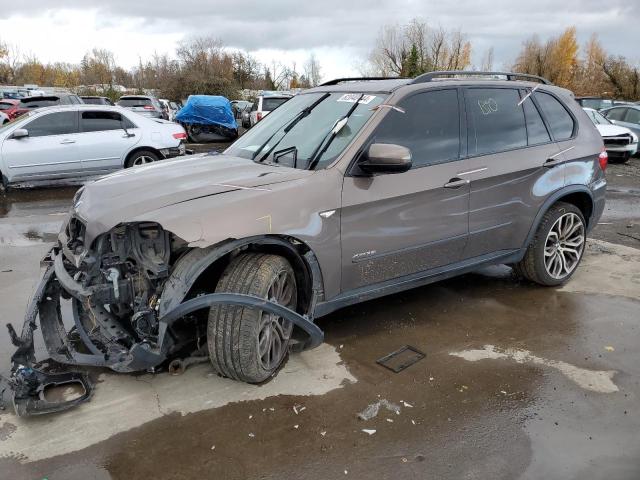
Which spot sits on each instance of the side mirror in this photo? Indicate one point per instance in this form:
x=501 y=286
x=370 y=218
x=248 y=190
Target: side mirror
x=386 y=158
x=20 y=133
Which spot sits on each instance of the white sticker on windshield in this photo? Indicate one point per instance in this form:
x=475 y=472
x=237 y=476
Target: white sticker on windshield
x=353 y=98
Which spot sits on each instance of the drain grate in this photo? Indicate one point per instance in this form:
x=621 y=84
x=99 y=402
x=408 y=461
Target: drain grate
x=402 y=358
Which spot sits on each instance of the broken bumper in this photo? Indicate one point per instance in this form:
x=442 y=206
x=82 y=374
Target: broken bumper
x=28 y=384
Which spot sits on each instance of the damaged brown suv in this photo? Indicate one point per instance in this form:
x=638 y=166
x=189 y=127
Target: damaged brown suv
x=349 y=191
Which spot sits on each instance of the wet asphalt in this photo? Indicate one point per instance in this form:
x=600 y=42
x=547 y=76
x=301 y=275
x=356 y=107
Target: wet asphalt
x=518 y=381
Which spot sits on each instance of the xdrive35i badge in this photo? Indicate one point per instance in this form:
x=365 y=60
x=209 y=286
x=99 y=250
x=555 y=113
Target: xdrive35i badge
x=362 y=255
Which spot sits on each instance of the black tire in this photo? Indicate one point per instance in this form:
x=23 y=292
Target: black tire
x=139 y=156
x=235 y=335
x=532 y=266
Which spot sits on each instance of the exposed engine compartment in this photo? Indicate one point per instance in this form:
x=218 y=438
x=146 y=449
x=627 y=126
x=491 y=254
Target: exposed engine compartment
x=114 y=291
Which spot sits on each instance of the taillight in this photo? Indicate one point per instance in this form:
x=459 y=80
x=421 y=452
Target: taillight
x=603 y=158
x=148 y=107
x=180 y=136
x=259 y=116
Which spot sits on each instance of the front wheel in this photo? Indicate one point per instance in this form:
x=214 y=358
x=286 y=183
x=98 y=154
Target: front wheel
x=245 y=343
x=557 y=247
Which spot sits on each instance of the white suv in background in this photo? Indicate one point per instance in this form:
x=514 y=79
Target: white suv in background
x=264 y=104
x=76 y=141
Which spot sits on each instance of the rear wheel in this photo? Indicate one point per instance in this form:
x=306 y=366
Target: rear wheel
x=557 y=247
x=141 y=157
x=244 y=343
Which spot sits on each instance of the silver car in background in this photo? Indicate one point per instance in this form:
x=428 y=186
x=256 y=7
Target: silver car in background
x=77 y=141
x=144 y=105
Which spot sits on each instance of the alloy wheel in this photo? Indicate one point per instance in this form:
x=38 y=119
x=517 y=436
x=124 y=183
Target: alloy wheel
x=564 y=246
x=143 y=160
x=275 y=332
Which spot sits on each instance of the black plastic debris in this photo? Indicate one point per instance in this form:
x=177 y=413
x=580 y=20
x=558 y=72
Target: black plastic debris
x=401 y=359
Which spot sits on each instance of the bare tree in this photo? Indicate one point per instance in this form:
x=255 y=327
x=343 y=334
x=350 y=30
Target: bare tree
x=416 y=48
x=487 y=60
x=312 y=70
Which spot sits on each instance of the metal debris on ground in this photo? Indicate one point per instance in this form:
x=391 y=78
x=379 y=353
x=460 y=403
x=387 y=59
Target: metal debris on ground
x=372 y=410
x=299 y=409
x=369 y=431
x=402 y=358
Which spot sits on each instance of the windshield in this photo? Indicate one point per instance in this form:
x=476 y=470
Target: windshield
x=93 y=100
x=597 y=118
x=134 y=102
x=309 y=131
x=596 y=103
x=5 y=106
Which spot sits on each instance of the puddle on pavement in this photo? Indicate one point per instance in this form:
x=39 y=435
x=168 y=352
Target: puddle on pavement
x=25 y=235
x=483 y=419
x=42 y=201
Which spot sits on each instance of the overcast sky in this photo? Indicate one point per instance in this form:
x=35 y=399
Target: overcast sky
x=340 y=32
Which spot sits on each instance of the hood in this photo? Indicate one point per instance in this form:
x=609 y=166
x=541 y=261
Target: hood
x=130 y=193
x=612 y=130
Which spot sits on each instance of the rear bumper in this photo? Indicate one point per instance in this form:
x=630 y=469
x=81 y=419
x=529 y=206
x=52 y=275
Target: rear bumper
x=598 y=193
x=172 y=152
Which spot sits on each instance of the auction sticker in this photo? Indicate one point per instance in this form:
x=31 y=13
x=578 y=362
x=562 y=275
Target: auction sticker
x=353 y=98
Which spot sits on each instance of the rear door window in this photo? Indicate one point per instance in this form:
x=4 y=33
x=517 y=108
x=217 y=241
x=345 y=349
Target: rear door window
x=495 y=120
x=558 y=118
x=99 y=121
x=59 y=123
x=536 y=130
x=429 y=127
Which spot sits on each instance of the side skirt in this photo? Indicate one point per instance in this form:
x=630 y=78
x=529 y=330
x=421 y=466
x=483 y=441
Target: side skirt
x=414 y=280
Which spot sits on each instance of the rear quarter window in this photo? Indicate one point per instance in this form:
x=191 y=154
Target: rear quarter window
x=558 y=118
x=495 y=120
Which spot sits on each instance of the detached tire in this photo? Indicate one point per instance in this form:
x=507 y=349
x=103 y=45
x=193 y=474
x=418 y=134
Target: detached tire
x=557 y=247
x=141 y=157
x=247 y=344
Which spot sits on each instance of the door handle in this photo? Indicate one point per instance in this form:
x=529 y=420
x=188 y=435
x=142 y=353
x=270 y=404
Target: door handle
x=67 y=140
x=128 y=135
x=553 y=160
x=456 y=183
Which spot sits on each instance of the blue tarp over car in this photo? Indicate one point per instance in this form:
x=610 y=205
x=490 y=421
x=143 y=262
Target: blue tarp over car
x=207 y=110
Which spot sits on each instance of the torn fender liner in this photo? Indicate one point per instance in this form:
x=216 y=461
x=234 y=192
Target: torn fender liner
x=316 y=335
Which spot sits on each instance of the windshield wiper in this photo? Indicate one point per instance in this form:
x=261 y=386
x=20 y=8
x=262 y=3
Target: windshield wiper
x=287 y=128
x=328 y=138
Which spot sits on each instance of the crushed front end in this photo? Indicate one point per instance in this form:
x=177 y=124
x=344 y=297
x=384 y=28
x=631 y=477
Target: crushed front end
x=98 y=306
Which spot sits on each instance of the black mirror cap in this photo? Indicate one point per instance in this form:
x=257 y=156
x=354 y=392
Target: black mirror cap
x=385 y=158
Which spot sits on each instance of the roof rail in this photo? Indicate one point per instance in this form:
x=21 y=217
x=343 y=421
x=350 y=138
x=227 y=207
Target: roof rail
x=336 y=81
x=511 y=76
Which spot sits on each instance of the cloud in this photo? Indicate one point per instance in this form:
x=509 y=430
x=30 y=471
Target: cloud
x=348 y=28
